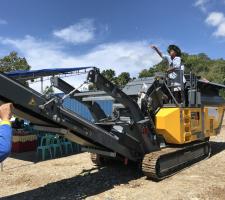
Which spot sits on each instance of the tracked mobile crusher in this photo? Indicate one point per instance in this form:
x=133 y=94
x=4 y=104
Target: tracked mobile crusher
x=148 y=126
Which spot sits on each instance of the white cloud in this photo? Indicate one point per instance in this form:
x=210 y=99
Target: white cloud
x=81 y=32
x=123 y=56
x=3 y=22
x=217 y=19
x=37 y=52
x=221 y=30
x=201 y=4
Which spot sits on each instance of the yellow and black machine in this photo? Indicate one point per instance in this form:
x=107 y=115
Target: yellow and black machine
x=176 y=115
x=185 y=126
x=162 y=122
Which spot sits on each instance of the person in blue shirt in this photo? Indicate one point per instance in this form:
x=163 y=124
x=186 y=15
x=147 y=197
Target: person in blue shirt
x=5 y=130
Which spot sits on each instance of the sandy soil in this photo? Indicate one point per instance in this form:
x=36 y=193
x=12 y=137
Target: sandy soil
x=75 y=177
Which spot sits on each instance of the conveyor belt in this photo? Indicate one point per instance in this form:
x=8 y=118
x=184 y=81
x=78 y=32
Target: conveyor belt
x=27 y=104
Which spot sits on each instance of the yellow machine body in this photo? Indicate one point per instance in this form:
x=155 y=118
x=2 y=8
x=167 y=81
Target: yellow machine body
x=184 y=125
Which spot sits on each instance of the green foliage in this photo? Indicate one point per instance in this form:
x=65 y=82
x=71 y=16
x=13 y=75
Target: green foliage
x=13 y=62
x=161 y=67
x=48 y=90
x=120 y=80
x=147 y=72
x=123 y=79
x=200 y=64
x=109 y=74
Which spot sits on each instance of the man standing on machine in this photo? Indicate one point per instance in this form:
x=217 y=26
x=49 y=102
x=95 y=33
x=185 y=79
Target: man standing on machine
x=174 y=57
x=175 y=70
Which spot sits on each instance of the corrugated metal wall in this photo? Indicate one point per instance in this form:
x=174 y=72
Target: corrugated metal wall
x=83 y=111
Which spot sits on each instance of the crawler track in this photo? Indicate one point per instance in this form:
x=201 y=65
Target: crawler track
x=161 y=164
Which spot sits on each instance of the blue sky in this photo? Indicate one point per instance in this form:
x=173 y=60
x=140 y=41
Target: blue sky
x=109 y=33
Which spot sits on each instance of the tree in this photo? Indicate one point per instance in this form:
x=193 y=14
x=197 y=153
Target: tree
x=48 y=91
x=147 y=72
x=197 y=64
x=200 y=64
x=13 y=62
x=123 y=79
x=161 y=67
x=120 y=80
x=109 y=74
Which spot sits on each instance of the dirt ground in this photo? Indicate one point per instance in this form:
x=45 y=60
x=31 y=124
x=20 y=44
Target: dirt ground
x=75 y=177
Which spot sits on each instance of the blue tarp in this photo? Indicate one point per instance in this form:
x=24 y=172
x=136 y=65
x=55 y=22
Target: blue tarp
x=31 y=74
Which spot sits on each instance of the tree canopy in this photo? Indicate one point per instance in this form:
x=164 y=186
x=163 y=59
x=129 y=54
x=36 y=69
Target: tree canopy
x=200 y=64
x=123 y=79
x=120 y=80
x=13 y=62
x=48 y=91
x=109 y=74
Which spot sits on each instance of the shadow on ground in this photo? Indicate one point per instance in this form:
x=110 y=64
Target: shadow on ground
x=88 y=183
x=217 y=147
x=92 y=181
x=31 y=156
x=26 y=156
